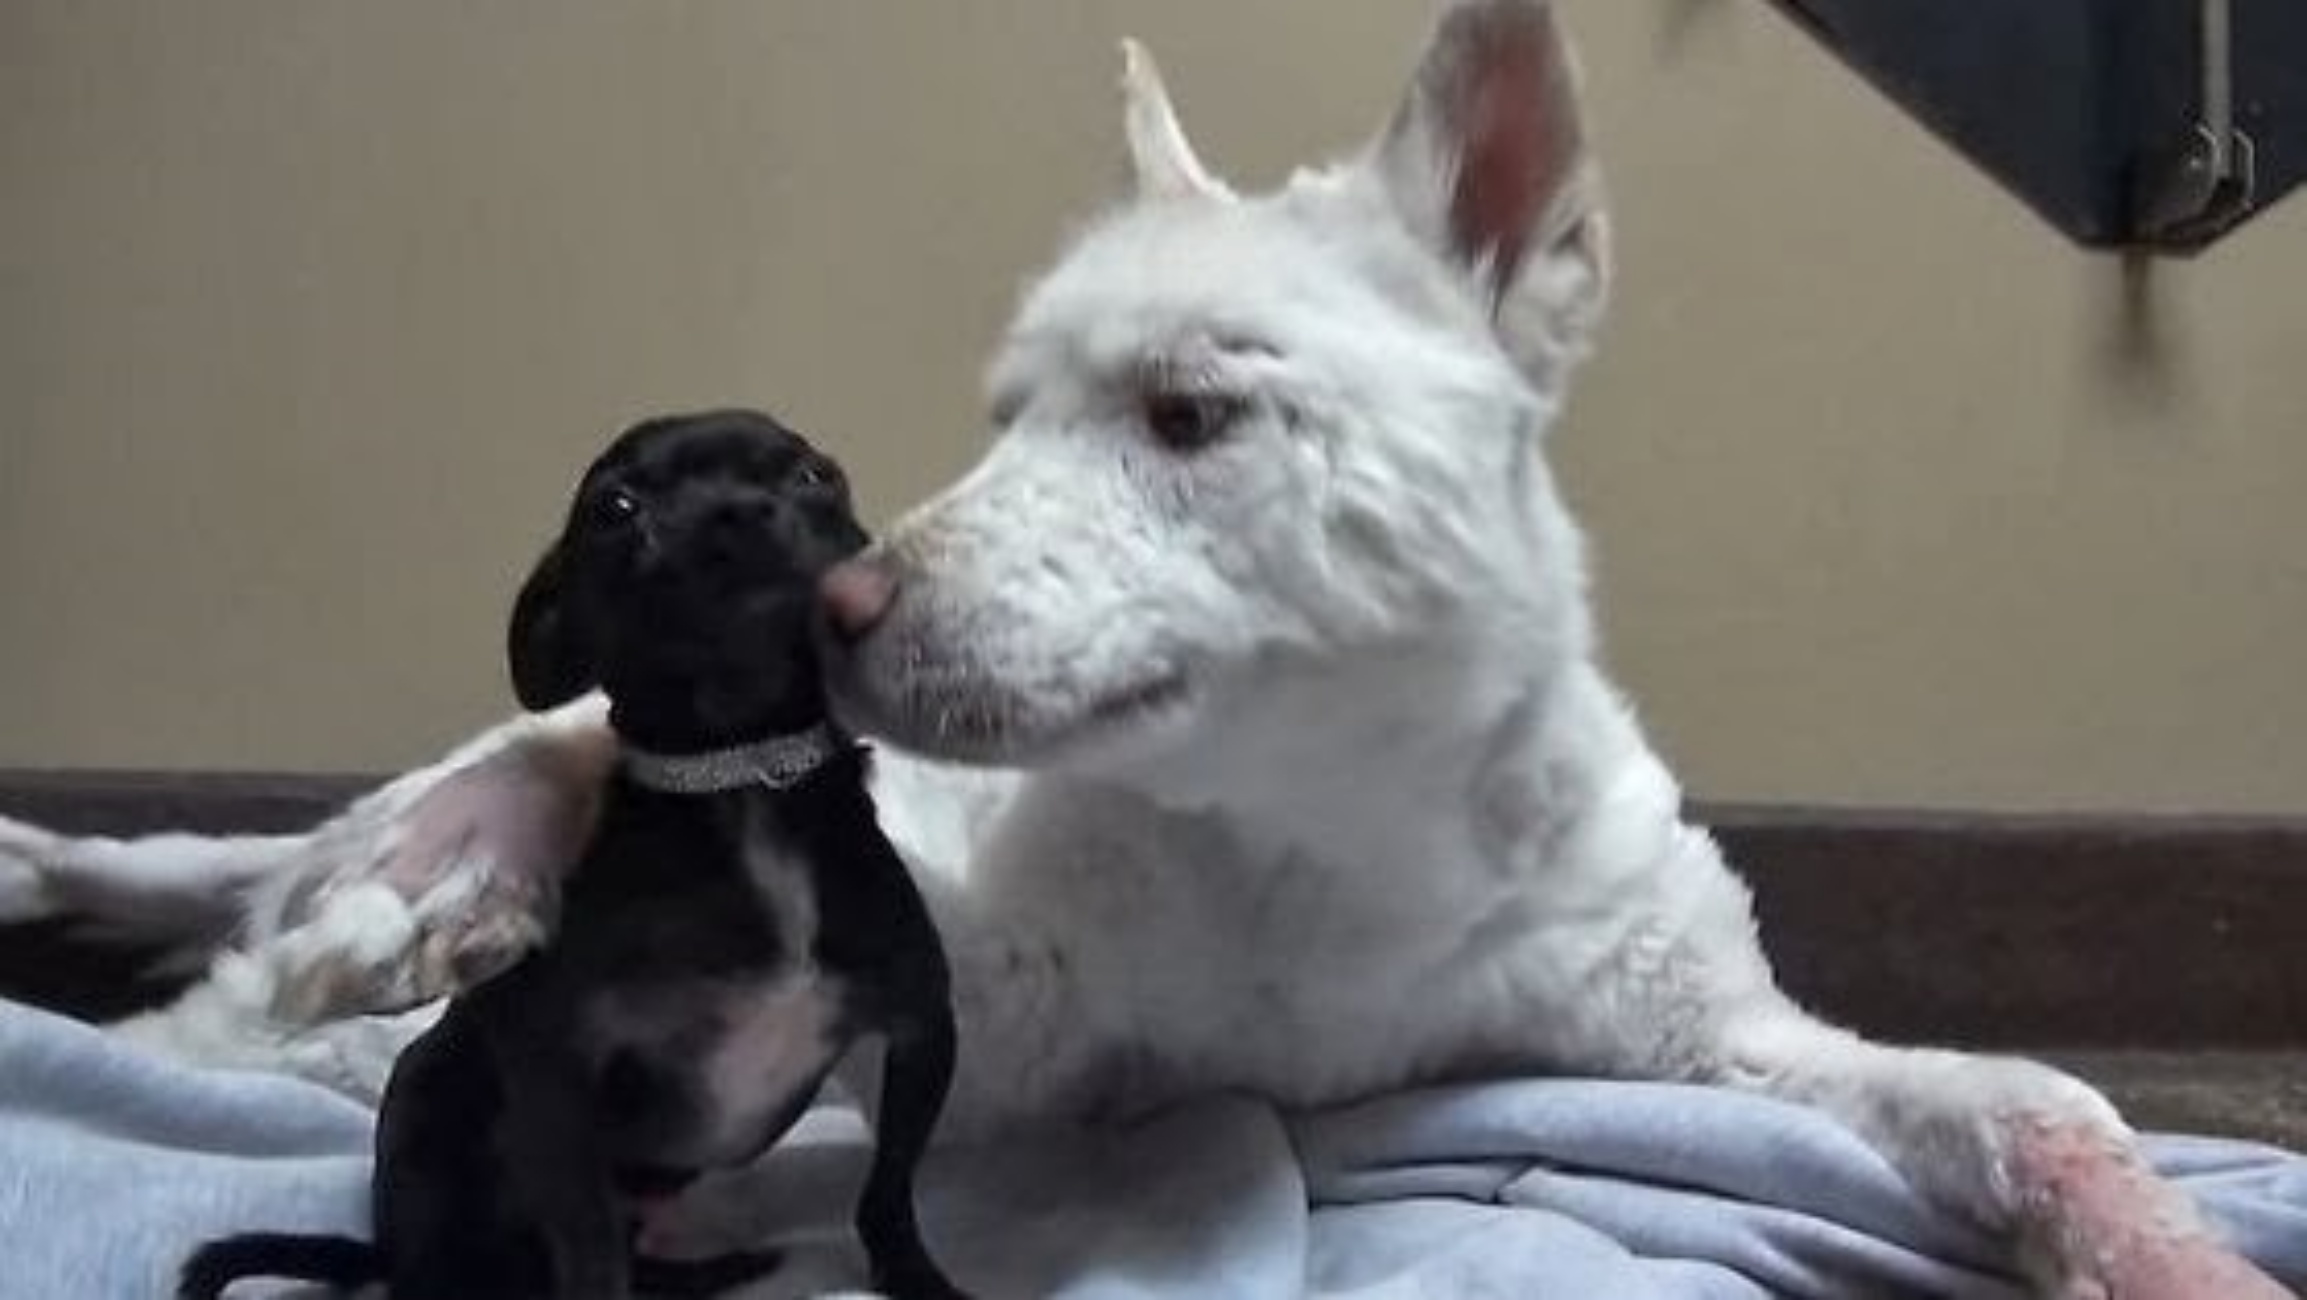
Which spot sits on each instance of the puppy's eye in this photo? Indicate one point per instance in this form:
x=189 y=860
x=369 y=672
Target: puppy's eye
x=1189 y=421
x=816 y=474
x=614 y=507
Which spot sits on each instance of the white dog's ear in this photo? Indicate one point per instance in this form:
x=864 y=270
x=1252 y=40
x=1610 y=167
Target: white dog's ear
x=1164 y=159
x=1486 y=161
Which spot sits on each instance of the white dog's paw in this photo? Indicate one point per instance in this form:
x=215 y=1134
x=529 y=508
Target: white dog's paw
x=368 y=949
x=228 y=1021
x=2101 y=1225
x=24 y=893
x=478 y=922
x=349 y=958
x=1946 y=1119
x=2043 y=1156
x=355 y=1057
x=425 y=896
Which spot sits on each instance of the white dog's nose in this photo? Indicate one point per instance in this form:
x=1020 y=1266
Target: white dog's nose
x=856 y=595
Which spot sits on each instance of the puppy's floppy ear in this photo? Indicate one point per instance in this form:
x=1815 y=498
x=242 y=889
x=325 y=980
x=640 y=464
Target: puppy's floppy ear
x=551 y=664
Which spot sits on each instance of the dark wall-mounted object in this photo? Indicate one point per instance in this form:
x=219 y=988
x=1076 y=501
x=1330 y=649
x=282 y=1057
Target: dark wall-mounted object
x=2136 y=124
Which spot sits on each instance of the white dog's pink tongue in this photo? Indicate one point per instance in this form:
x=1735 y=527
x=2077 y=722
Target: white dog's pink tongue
x=2115 y=1231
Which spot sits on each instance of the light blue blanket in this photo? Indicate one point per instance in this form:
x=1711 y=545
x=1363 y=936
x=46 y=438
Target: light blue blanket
x=112 y=1163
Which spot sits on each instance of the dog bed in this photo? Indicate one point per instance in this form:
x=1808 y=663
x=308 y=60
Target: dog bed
x=113 y=1163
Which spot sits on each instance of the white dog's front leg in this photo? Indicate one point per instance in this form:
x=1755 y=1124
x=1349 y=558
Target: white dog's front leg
x=1685 y=992
x=25 y=893
x=471 y=847
x=2023 y=1148
x=184 y=891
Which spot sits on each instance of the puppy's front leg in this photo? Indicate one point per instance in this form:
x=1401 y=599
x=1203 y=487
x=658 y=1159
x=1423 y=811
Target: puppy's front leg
x=551 y=1150
x=560 y=1173
x=916 y=1075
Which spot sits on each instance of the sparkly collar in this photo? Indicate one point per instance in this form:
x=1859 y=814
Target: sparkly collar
x=778 y=763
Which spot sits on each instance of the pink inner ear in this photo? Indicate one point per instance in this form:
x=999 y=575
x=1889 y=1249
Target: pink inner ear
x=1517 y=125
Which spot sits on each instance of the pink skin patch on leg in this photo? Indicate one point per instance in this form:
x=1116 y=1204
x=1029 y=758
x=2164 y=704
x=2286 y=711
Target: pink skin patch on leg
x=524 y=812
x=490 y=845
x=2112 y=1230
x=474 y=859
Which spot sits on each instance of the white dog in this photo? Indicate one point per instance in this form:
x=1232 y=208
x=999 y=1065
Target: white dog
x=1267 y=589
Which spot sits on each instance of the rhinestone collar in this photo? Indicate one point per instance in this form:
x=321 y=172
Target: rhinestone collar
x=778 y=763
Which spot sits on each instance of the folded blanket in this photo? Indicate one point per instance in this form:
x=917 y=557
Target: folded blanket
x=112 y=1164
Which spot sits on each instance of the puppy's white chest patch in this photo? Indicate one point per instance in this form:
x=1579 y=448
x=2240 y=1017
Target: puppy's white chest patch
x=782 y=881
x=778 y=1035
x=776 y=1044
x=747 y=1050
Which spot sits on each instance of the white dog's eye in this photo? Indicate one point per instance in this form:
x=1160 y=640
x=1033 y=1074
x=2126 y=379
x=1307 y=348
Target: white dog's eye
x=1189 y=421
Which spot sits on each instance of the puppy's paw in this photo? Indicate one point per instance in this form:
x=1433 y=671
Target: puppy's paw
x=24 y=893
x=919 y=1283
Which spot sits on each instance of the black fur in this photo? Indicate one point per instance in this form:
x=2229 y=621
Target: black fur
x=338 y=1261
x=519 y=1138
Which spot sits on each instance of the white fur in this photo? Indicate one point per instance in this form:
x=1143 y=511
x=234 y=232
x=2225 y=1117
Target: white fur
x=134 y=888
x=229 y=1019
x=24 y=891
x=1325 y=791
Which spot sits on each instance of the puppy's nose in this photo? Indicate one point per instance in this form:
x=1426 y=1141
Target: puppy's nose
x=856 y=595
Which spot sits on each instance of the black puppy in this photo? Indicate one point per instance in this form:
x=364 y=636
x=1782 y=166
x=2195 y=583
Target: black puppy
x=737 y=923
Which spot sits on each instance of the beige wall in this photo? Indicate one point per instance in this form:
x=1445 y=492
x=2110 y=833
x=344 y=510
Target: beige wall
x=310 y=309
